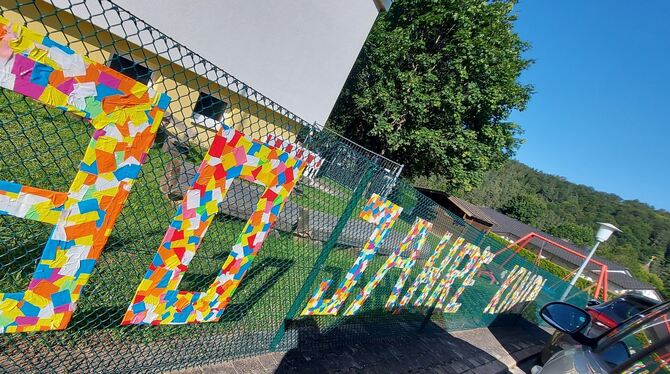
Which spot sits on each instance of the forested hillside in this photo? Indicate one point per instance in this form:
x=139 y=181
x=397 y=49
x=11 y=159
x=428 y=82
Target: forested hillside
x=570 y=211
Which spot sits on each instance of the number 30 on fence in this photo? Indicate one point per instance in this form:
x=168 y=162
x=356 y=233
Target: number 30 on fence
x=125 y=115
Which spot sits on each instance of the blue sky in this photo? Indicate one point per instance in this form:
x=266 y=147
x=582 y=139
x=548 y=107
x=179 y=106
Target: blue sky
x=600 y=114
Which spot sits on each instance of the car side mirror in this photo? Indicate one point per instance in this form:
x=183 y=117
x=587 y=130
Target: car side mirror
x=593 y=302
x=565 y=317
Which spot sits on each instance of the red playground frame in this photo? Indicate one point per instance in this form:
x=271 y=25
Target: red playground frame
x=601 y=284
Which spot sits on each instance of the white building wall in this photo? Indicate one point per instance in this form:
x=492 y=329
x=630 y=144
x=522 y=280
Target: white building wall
x=296 y=52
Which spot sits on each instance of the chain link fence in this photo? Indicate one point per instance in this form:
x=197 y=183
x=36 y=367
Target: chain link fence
x=318 y=235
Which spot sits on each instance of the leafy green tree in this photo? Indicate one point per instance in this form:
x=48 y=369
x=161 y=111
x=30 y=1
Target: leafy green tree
x=526 y=208
x=575 y=233
x=433 y=87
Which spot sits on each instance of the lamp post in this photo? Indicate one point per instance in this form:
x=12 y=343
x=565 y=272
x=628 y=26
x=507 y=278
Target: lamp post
x=604 y=232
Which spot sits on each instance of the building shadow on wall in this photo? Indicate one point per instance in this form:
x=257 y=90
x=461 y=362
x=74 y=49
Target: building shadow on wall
x=371 y=344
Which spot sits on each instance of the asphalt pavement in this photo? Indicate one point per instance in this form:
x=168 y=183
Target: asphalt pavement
x=484 y=350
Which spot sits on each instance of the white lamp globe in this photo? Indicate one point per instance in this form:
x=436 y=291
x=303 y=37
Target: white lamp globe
x=605 y=231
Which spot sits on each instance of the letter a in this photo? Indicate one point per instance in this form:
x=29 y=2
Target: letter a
x=417 y=235
x=383 y=214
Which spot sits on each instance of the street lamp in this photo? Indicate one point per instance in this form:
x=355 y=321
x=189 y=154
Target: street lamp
x=604 y=232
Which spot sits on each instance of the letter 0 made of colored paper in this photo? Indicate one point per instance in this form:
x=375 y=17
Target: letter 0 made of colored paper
x=232 y=155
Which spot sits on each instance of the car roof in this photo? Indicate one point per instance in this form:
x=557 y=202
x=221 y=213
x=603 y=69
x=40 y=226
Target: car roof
x=641 y=299
x=632 y=297
x=663 y=307
x=636 y=323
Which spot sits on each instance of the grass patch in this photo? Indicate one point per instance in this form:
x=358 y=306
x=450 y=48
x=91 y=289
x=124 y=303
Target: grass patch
x=314 y=199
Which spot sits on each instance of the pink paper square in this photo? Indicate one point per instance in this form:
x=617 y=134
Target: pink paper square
x=66 y=87
x=109 y=80
x=26 y=321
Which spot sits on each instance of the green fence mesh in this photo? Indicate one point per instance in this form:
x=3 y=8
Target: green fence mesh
x=317 y=236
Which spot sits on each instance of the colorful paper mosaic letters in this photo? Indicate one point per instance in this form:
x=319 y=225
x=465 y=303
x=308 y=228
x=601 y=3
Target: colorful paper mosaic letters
x=429 y=273
x=528 y=291
x=468 y=272
x=126 y=115
x=383 y=214
x=232 y=155
x=518 y=290
x=512 y=276
x=312 y=160
x=476 y=261
x=439 y=295
x=435 y=275
x=524 y=287
x=417 y=235
x=538 y=285
x=406 y=271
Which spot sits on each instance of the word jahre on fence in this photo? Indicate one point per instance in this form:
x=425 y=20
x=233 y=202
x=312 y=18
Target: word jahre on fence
x=125 y=115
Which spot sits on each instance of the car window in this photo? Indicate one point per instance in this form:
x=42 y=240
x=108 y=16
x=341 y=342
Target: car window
x=636 y=340
x=632 y=322
x=656 y=362
x=621 y=310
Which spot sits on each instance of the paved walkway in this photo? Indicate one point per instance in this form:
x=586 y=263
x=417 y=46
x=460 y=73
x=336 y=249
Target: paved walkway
x=486 y=350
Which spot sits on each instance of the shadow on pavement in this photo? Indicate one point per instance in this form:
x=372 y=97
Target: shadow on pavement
x=524 y=350
x=360 y=347
x=533 y=334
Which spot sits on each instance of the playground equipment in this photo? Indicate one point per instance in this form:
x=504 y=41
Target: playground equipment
x=519 y=244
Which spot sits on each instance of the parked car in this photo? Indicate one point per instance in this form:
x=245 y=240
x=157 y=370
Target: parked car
x=604 y=317
x=638 y=345
x=610 y=314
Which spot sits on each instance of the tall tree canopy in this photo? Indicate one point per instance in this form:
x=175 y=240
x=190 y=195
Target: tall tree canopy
x=433 y=87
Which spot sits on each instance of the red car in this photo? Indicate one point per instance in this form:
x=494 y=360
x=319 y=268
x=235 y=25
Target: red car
x=610 y=314
x=603 y=317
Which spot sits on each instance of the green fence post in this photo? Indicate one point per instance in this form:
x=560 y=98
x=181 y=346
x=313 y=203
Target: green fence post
x=323 y=256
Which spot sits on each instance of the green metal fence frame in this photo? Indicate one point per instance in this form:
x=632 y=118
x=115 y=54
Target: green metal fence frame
x=318 y=233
